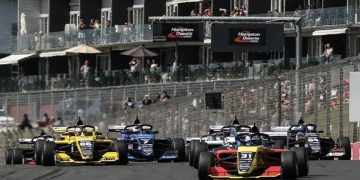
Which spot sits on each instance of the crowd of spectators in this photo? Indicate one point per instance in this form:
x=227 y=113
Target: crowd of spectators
x=159 y=97
x=236 y=11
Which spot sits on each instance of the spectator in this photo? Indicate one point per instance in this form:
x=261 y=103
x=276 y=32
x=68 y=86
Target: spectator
x=157 y=97
x=44 y=121
x=58 y=122
x=25 y=123
x=328 y=53
x=192 y=13
x=223 y=12
x=235 y=12
x=243 y=7
x=85 y=70
x=129 y=103
x=164 y=96
x=92 y=24
x=276 y=13
x=133 y=65
x=147 y=100
x=297 y=12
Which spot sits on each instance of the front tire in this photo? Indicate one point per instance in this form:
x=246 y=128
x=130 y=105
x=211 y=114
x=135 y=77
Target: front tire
x=18 y=156
x=179 y=146
x=200 y=147
x=9 y=156
x=302 y=161
x=344 y=142
x=122 y=149
x=288 y=165
x=187 y=153
x=48 y=155
x=206 y=160
x=192 y=152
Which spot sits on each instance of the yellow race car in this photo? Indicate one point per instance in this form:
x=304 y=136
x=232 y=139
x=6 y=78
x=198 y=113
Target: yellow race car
x=80 y=144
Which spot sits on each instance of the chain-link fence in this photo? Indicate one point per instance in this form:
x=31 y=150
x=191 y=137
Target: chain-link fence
x=321 y=96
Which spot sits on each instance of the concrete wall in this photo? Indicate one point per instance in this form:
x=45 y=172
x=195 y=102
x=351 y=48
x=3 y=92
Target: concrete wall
x=8 y=16
x=31 y=8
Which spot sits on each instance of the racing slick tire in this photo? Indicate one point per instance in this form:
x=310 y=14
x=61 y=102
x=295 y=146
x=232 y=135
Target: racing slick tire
x=288 y=165
x=8 y=156
x=18 y=156
x=179 y=146
x=192 y=152
x=39 y=147
x=122 y=148
x=206 y=160
x=187 y=153
x=344 y=142
x=200 y=147
x=48 y=155
x=302 y=161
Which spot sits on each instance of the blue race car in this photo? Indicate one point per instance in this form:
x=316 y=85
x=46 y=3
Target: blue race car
x=143 y=146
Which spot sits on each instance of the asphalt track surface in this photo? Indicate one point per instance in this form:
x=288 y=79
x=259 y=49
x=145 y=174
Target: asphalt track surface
x=344 y=170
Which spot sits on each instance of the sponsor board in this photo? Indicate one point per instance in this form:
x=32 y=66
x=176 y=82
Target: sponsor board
x=164 y=31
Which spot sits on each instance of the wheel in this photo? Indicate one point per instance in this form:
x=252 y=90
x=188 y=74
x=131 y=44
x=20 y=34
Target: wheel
x=200 y=147
x=122 y=148
x=288 y=165
x=18 y=156
x=179 y=146
x=8 y=156
x=48 y=154
x=302 y=161
x=192 y=152
x=206 y=160
x=187 y=153
x=39 y=147
x=344 y=142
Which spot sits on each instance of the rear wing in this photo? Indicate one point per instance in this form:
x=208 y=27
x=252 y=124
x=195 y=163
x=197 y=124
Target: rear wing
x=116 y=128
x=215 y=128
x=59 y=130
x=25 y=141
x=278 y=131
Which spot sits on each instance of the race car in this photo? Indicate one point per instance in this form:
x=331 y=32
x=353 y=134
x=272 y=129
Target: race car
x=317 y=147
x=142 y=144
x=253 y=158
x=218 y=137
x=27 y=154
x=81 y=144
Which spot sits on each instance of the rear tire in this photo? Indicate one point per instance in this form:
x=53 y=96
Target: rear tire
x=9 y=156
x=18 y=156
x=122 y=149
x=192 y=152
x=302 y=161
x=200 y=147
x=179 y=146
x=288 y=165
x=48 y=154
x=344 y=142
x=206 y=160
x=39 y=148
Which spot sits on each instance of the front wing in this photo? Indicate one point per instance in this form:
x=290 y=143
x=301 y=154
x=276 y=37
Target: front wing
x=221 y=173
x=109 y=157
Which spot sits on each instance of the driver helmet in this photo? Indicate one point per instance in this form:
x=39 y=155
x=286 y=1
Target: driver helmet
x=77 y=132
x=256 y=140
x=135 y=129
x=247 y=141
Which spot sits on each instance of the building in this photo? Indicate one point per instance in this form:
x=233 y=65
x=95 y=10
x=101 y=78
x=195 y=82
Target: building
x=53 y=26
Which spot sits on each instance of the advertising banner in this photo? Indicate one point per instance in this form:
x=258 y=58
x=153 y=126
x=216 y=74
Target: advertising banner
x=247 y=37
x=164 y=31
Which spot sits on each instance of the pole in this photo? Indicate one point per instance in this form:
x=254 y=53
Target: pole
x=298 y=91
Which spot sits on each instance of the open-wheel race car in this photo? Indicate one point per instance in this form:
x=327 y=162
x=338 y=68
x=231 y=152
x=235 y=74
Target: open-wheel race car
x=144 y=146
x=253 y=158
x=307 y=136
x=218 y=137
x=80 y=144
x=25 y=152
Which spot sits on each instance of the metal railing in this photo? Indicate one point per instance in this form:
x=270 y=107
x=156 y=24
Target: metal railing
x=335 y=16
x=323 y=100
x=108 y=35
x=189 y=73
